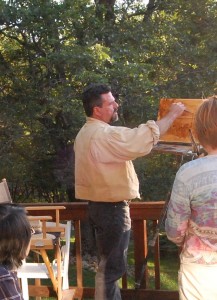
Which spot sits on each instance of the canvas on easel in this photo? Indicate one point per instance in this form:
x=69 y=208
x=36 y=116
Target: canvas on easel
x=180 y=137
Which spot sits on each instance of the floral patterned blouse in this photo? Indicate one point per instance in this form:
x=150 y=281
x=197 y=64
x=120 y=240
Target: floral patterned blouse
x=192 y=212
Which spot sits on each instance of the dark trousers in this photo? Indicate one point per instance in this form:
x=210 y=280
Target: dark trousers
x=112 y=225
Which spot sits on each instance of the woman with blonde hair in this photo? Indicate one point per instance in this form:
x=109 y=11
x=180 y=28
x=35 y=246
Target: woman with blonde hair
x=192 y=213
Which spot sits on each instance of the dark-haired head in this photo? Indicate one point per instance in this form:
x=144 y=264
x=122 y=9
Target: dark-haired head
x=91 y=97
x=15 y=235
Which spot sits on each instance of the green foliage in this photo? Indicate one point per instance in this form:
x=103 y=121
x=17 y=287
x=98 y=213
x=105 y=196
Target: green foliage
x=156 y=173
x=51 y=49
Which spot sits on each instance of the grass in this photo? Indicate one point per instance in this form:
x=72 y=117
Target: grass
x=168 y=272
x=169 y=265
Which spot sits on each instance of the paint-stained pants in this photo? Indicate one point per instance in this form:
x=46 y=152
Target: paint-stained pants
x=112 y=225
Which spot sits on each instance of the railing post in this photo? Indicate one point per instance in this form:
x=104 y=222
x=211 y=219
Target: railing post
x=156 y=258
x=140 y=248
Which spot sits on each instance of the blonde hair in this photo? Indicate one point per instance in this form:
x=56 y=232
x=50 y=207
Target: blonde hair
x=206 y=122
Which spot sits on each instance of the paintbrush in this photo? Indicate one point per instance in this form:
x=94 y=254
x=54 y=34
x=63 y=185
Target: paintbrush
x=189 y=111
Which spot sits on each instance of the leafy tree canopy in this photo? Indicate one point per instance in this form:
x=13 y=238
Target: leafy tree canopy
x=51 y=49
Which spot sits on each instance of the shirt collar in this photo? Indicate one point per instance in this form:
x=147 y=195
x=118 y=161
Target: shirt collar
x=93 y=120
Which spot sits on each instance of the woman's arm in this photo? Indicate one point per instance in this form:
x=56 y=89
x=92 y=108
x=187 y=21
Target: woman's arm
x=178 y=213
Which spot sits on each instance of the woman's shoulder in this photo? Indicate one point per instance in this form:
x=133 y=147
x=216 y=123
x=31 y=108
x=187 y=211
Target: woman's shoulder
x=197 y=167
x=195 y=163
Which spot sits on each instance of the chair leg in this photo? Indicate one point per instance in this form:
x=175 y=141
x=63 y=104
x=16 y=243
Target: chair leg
x=25 y=289
x=65 y=282
x=38 y=284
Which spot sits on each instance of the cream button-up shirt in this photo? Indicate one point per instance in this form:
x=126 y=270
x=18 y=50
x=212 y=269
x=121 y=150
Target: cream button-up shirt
x=103 y=159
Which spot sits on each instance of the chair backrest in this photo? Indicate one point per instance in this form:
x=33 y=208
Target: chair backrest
x=5 y=196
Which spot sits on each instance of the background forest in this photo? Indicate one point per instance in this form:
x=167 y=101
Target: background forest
x=50 y=50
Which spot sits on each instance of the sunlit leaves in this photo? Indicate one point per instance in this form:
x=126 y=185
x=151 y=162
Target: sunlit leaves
x=50 y=50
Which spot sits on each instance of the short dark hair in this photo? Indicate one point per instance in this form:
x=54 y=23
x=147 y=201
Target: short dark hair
x=91 y=96
x=206 y=122
x=15 y=235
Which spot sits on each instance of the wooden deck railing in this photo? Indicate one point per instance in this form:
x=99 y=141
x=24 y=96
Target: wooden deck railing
x=141 y=212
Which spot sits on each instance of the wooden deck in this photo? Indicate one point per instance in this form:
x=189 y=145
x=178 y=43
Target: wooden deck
x=141 y=212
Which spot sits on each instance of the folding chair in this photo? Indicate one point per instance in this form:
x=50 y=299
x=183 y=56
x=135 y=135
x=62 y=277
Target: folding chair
x=40 y=270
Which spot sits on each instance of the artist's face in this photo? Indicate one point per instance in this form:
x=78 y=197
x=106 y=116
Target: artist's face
x=109 y=110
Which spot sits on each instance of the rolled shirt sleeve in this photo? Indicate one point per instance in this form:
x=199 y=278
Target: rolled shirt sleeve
x=118 y=144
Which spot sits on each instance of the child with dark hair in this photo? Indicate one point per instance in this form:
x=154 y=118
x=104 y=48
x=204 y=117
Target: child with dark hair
x=15 y=235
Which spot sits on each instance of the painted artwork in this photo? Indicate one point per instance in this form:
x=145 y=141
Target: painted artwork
x=180 y=138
